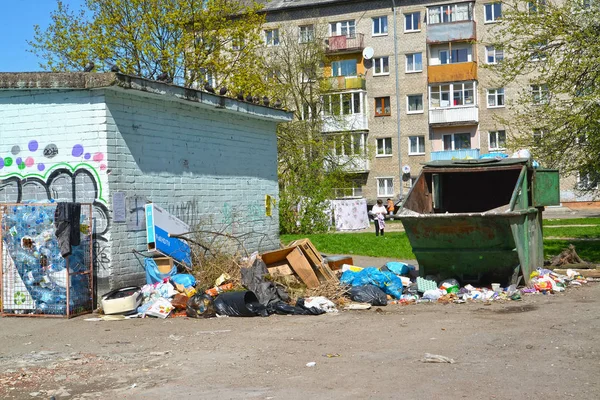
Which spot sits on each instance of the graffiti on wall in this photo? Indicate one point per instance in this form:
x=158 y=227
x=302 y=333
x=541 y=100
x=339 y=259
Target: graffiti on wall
x=36 y=172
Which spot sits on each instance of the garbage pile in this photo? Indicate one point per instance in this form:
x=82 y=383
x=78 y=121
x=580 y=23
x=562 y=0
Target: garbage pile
x=171 y=294
x=392 y=284
x=297 y=280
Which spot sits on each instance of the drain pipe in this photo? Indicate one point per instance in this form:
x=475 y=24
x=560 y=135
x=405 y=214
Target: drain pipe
x=401 y=194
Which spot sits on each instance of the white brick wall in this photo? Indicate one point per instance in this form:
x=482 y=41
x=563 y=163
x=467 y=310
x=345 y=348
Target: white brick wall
x=202 y=164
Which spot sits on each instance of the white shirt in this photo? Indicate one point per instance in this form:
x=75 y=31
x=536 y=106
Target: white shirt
x=379 y=210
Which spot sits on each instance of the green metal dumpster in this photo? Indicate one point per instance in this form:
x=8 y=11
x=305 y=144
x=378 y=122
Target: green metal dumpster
x=479 y=220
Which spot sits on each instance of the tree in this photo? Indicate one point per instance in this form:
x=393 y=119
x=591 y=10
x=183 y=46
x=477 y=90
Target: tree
x=308 y=169
x=552 y=50
x=190 y=40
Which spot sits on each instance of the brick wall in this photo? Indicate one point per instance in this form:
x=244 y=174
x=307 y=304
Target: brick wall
x=53 y=146
x=208 y=167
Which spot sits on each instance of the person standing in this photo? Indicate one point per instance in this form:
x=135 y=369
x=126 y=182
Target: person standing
x=379 y=212
x=390 y=206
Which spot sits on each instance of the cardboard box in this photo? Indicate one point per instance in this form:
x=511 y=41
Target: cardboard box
x=164 y=264
x=315 y=259
x=336 y=262
x=295 y=259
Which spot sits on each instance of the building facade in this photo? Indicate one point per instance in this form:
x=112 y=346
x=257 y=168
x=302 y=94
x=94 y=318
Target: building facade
x=411 y=84
x=92 y=138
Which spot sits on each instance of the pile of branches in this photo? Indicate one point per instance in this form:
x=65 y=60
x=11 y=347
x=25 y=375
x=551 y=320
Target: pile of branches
x=567 y=256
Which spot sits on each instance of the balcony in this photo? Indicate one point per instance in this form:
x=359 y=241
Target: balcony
x=454 y=116
x=353 y=164
x=347 y=83
x=466 y=71
x=345 y=44
x=462 y=154
x=451 y=32
x=344 y=123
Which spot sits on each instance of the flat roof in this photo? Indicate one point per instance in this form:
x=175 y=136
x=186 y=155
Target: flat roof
x=142 y=86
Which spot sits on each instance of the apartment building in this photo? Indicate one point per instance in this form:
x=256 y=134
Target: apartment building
x=409 y=84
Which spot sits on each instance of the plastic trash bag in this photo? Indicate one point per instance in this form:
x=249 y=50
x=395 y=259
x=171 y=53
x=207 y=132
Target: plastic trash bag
x=320 y=303
x=433 y=294
x=238 y=304
x=186 y=280
x=253 y=279
x=368 y=294
x=384 y=280
x=310 y=310
x=398 y=268
x=153 y=275
x=200 y=306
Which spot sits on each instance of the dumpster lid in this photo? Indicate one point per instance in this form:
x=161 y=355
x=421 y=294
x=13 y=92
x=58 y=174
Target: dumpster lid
x=481 y=163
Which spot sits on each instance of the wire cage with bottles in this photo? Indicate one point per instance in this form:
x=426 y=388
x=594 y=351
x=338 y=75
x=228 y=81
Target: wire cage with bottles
x=36 y=279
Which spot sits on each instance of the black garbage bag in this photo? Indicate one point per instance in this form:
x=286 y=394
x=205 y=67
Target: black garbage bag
x=238 y=304
x=200 y=305
x=253 y=279
x=282 y=308
x=368 y=294
x=309 y=310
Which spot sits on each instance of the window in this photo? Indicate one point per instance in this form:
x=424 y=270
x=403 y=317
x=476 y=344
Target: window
x=384 y=147
x=381 y=66
x=536 y=6
x=538 y=135
x=307 y=33
x=274 y=74
x=493 y=12
x=538 y=51
x=348 y=144
x=416 y=145
x=455 y=56
x=457 y=141
x=539 y=94
x=272 y=37
x=412 y=22
x=238 y=43
x=450 y=13
x=343 y=28
x=414 y=62
x=385 y=187
x=342 y=103
x=452 y=95
x=459 y=55
x=382 y=106
x=343 y=68
x=380 y=26
x=588 y=180
x=414 y=103
x=493 y=55
x=497 y=140
x=495 y=97
x=207 y=76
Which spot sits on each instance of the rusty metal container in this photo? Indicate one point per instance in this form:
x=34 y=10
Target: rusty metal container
x=479 y=220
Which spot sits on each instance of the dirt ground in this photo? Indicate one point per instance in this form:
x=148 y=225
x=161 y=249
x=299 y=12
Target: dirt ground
x=544 y=347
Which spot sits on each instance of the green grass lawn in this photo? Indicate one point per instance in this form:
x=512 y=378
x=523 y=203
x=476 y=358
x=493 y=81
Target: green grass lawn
x=396 y=244
x=393 y=244
x=574 y=221
x=587 y=232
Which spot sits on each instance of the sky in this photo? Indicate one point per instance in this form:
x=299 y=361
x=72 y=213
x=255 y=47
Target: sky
x=16 y=27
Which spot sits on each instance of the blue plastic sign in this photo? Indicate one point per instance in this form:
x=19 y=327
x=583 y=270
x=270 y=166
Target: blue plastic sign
x=159 y=224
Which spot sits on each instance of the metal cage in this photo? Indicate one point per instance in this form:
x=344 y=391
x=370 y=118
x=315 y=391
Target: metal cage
x=36 y=280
